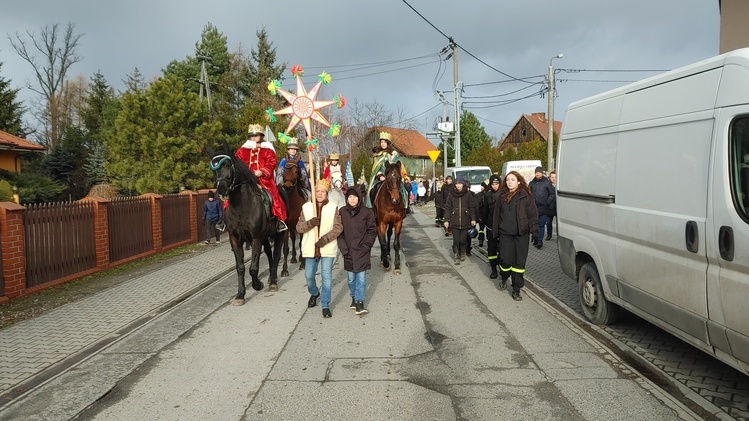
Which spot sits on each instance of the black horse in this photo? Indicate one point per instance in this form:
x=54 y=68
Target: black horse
x=247 y=219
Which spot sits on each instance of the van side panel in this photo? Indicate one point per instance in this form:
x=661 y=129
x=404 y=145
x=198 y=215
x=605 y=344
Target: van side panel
x=661 y=186
x=595 y=164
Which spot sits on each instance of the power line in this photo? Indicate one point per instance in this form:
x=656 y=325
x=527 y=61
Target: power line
x=499 y=95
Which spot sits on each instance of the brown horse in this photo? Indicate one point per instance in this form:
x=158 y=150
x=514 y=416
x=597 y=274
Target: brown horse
x=297 y=195
x=390 y=211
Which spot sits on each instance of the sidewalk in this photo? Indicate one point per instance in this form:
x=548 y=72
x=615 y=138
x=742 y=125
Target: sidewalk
x=44 y=344
x=440 y=343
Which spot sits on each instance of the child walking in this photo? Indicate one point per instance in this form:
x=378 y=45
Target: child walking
x=355 y=243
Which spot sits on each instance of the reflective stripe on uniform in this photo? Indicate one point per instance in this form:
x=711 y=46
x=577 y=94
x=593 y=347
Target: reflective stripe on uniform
x=518 y=270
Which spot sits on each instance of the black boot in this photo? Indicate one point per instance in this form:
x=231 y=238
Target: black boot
x=503 y=284
x=493 y=275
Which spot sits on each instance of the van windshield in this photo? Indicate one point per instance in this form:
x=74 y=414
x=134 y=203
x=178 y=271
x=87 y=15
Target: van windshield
x=475 y=177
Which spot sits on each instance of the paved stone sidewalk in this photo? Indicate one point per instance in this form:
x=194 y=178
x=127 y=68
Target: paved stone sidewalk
x=39 y=344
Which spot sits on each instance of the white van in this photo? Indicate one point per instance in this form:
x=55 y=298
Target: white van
x=526 y=168
x=475 y=175
x=653 y=203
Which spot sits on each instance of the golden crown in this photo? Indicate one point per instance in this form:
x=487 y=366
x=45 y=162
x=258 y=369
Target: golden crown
x=386 y=136
x=256 y=129
x=333 y=156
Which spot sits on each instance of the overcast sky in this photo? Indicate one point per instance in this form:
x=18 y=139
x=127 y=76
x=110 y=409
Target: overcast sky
x=385 y=51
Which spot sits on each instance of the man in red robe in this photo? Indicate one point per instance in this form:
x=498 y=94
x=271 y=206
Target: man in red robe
x=260 y=156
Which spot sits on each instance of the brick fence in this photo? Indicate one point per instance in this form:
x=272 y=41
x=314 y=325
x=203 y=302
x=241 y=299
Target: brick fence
x=14 y=248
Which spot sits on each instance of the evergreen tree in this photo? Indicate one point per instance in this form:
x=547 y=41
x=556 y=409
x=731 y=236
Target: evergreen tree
x=159 y=140
x=11 y=111
x=135 y=81
x=263 y=69
x=472 y=135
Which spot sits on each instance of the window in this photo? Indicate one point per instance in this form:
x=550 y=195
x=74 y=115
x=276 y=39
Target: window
x=739 y=165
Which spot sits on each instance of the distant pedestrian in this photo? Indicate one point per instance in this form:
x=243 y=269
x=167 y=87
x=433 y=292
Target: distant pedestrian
x=490 y=199
x=515 y=218
x=445 y=190
x=212 y=214
x=321 y=246
x=480 y=211
x=543 y=194
x=355 y=243
x=552 y=204
x=422 y=193
x=460 y=216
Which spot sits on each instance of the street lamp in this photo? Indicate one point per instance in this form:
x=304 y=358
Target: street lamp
x=550 y=120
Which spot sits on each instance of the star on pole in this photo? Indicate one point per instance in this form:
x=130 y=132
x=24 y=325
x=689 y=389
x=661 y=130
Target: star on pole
x=303 y=106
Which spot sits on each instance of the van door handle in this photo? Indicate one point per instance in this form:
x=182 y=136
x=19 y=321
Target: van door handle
x=725 y=243
x=692 y=235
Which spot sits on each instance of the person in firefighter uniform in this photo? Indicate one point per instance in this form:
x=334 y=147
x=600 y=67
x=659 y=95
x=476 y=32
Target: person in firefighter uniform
x=260 y=157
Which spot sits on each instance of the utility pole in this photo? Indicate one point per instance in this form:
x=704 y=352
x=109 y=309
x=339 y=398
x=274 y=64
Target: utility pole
x=550 y=119
x=454 y=47
x=205 y=84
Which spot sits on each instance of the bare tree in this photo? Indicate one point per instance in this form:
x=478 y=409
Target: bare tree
x=57 y=55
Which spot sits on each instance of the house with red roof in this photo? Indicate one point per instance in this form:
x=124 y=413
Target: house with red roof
x=528 y=128
x=411 y=145
x=11 y=148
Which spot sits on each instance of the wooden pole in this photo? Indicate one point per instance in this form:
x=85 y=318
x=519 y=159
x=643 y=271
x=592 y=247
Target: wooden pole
x=312 y=184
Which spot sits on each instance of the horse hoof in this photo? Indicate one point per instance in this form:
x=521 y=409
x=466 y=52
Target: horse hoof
x=293 y=260
x=258 y=287
x=284 y=272
x=237 y=302
x=387 y=268
x=397 y=271
x=273 y=287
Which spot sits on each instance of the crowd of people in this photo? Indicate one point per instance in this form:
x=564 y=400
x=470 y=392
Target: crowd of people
x=509 y=214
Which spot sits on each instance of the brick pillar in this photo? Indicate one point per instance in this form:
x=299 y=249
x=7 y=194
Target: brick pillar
x=101 y=230
x=13 y=247
x=193 y=219
x=158 y=239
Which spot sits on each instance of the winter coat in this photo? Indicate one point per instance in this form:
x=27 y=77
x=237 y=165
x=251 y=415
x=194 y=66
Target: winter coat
x=460 y=208
x=490 y=202
x=212 y=210
x=478 y=199
x=330 y=228
x=359 y=235
x=543 y=194
x=525 y=211
x=446 y=191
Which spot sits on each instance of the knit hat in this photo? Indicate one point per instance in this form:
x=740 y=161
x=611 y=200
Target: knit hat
x=460 y=180
x=352 y=191
x=322 y=184
x=211 y=195
x=495 y=179
x=539 y=169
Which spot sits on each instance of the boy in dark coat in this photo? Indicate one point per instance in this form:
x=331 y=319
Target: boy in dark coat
x=212 y=213
x=355 y=244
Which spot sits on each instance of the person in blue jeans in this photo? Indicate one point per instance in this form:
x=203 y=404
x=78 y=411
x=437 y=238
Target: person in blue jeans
x=212 y=213
x=355 y=243
x=321 y=226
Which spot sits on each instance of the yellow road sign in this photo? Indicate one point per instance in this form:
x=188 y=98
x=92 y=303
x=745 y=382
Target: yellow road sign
x=433 y=155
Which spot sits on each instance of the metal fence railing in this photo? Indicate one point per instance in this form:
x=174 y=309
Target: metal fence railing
x=130 y=231
x=175 y=219
x=59 y=241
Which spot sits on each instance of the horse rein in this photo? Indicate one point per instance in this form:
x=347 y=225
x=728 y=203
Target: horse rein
x=216 y=163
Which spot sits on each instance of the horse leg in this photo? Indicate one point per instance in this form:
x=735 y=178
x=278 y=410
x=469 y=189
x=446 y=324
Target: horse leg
x=382 y=237
x=302 y=260
x=236 y=247
x=277 y=244
x=257 y=246
x=292 y=234
x=286 y=235
x=397 y=246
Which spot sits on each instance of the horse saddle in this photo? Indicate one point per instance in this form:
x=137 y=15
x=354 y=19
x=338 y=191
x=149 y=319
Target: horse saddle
x=267 y=201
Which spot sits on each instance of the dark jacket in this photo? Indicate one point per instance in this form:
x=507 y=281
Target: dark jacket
x=478 y=200
x=543 y=194
x=490 y=200
x=446 y=191
x=460 y=208
x=525 y=211
x=359 y=234
x=212 y=210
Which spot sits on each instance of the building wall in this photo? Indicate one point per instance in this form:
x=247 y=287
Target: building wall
x=8 y=161
x=734 y=32
x=523 y=132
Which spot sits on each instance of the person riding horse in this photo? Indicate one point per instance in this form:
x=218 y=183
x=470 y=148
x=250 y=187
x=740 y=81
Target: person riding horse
x=333 y=172
x=260 y=157
x=385 y=154
x=292 y=154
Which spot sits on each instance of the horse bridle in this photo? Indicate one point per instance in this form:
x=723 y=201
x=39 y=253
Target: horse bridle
x=388 y=181
x=291 y=164
x=216 y=163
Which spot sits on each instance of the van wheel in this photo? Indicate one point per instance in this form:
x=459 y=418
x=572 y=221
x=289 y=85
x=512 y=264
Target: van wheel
x=595 y=306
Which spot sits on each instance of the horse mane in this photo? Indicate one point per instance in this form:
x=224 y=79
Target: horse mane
x=244 y=173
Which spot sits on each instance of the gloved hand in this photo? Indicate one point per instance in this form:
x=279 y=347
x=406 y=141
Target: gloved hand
x=447 y=224
x=320 y=243
x=473 y=223
x=314 y=222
